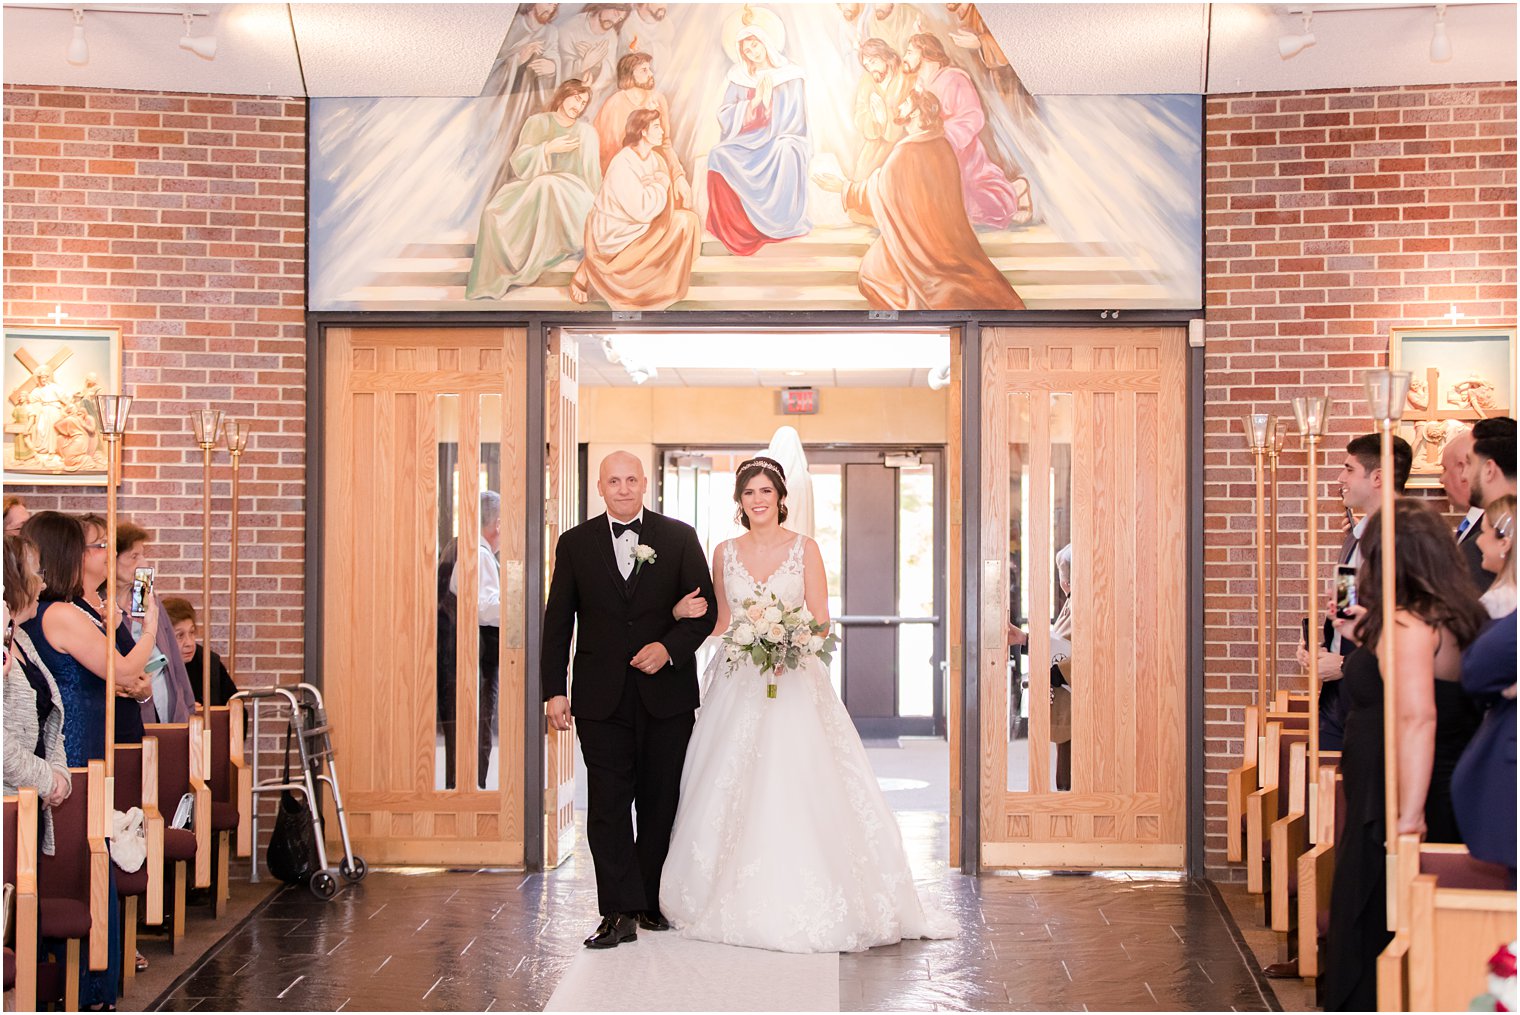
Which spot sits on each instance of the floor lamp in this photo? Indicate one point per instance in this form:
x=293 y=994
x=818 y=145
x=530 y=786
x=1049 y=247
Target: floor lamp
x=237 y=441
x=1258 y=427
x=208 y=426
x=1311 y=414
x=113 y=410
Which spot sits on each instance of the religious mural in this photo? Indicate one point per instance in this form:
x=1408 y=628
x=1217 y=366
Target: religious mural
x=52 y=424
x=732 y=157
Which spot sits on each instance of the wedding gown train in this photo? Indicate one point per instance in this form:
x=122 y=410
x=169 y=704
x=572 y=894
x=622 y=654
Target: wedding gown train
x=783 y=839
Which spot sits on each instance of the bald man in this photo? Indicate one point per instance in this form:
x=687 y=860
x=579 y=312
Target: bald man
x=617 y=578
x=1459 y=495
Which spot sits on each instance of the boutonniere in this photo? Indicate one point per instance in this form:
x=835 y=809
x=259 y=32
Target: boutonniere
x=643 y=554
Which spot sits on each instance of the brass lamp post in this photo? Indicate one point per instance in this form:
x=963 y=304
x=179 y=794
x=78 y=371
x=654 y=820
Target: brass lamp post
x=237 y=441
x=113 y=411
x=1387 y=391
x=1311 y=414
x=1276 y=437
x=208 y=426
x=1258 y=428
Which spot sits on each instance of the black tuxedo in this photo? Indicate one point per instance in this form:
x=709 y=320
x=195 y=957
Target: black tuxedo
x=633 y=726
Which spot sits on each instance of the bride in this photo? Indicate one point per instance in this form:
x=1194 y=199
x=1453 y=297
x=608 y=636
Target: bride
x=783 y=839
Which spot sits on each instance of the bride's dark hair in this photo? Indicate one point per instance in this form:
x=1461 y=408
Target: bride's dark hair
x=747 y=471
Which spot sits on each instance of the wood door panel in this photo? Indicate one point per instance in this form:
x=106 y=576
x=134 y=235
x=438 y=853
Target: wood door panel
x=1123 y=412
x=562 y=505
x=383 y=404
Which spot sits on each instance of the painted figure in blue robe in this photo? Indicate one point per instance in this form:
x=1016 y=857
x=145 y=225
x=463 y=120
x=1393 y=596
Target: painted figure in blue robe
x=757 y=172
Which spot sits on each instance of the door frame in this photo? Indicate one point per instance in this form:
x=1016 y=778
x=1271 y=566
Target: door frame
x=969 y=378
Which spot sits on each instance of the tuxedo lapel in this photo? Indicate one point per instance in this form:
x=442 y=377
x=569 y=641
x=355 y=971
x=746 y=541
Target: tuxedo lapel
x=648 y=533
x=601 y=533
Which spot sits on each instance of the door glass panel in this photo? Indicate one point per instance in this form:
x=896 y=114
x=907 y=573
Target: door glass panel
x=1018 y=600
x=491 y=606
x=916 y=668
x=1062 y=407
x=447 y=551
x=828 y=532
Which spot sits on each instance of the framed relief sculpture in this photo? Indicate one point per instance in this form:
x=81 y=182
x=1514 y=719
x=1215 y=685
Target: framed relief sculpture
x=1459 y=376
x=52 y=428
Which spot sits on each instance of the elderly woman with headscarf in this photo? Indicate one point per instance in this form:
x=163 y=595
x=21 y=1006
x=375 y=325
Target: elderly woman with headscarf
x=757 y=172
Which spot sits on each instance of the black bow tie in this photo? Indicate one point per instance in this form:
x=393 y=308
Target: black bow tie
x=618 y=528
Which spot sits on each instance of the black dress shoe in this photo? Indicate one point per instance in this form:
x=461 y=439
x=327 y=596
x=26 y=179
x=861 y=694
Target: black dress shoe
x=615 y=929
x=653 y=919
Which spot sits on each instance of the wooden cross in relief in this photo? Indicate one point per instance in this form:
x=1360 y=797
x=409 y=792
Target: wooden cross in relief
x=32 y=366
x=1433 y=411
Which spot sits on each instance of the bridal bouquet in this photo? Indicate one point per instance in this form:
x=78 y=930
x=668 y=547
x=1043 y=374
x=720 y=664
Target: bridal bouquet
x=776 y=637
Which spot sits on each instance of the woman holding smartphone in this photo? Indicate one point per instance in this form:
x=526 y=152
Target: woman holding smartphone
x=173 y=698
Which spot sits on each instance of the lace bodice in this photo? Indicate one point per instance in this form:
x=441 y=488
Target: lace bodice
x=786 y=582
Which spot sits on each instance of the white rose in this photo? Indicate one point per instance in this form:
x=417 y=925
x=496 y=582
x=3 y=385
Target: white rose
x=801 y=636
x=755 y=612
x=744 y=635
x=772 y=615
x=805 y=615
x=777 y=634
x=815 y=644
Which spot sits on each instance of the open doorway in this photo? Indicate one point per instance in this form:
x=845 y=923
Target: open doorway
x=876 y=429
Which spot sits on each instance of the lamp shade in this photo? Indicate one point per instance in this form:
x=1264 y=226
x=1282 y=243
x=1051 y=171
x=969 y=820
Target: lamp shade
x=1258 y=427
x=208 y=425
x=1311 y=415
x=1398 y=393
x=237 y=435
x=113 y=410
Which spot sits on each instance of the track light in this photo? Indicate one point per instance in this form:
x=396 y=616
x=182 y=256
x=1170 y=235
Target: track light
x=78 y=52
x=1292 y=45
x=1440 y=43
x=203 y=46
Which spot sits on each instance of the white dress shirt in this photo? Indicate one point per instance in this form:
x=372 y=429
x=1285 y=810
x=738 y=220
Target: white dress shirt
x=623 y=546
x=488 y=577
x=1471 y=521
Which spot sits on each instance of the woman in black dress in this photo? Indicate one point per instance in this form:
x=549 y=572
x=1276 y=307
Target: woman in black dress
x=1438 y=615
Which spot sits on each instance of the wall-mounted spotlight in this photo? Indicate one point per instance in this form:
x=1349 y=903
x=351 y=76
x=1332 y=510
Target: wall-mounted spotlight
x=203 y=46
x=78 y=52
x=1292 y=45
x=1440 y=43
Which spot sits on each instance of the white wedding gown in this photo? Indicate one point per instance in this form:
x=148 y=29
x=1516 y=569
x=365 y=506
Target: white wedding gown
x=783 y=839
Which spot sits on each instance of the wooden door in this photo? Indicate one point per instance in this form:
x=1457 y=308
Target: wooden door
x=561 y=510
x=1083 y=444
x=415 y=418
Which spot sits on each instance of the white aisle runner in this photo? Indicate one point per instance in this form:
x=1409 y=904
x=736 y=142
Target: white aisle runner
x=666 y=972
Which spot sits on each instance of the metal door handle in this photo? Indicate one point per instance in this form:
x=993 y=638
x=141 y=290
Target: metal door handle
x=883 y=620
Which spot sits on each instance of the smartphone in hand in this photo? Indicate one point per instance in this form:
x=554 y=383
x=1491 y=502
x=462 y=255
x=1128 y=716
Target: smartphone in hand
x=142 y=584
x=1345 y=590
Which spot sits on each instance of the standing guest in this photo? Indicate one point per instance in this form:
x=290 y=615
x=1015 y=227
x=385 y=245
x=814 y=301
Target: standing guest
x=172 y=700
x=1459 y=496
x=70 y=636
x=1483 y=785
x=190 y=653
x=1435 y=619
x=488 y=619
x=34 y=754
x=16 y=515
x=71 y=639
x=129 y=722
x=1490 y=466
x=1497 y=542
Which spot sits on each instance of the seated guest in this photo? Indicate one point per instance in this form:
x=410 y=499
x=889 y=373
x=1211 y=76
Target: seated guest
x=1497 y=541
x=34 y=754
x=16 y=515
x=172 y=700
x=182 y=616
x=1435 y=619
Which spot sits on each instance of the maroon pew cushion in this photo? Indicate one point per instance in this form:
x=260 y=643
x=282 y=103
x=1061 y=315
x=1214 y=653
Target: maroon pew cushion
x=224 y=817
x=1459 y=870
x=63 y=918
x=135 y=883
x=10 y=969
x=179 y=844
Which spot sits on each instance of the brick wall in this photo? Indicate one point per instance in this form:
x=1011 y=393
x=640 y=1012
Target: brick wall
x=1331 y=217
x=181 y=220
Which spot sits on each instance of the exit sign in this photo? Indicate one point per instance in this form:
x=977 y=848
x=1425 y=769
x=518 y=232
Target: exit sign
x=799 y=401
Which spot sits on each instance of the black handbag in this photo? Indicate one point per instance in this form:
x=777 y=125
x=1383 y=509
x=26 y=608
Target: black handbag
x=292 y=852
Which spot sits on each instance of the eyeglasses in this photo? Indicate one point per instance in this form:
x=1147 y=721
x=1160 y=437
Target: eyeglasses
x=102 y=545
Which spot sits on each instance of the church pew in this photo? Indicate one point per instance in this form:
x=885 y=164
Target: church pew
x=1289 y=833
x=21 y=851
x=1316 y=872
x=181 y=847
x=223 y=782
x=1288 y=702
x=242 y=776
x=137 y=786
x=73 y=884
x=1460 y=912
x=1239 y=783
x=1263 y=805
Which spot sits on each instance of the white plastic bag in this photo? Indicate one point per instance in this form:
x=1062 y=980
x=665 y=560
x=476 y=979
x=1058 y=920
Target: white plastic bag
x=129 y=840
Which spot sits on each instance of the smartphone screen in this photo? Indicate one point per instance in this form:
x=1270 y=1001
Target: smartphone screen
x=142 y=584
x=1345 y=589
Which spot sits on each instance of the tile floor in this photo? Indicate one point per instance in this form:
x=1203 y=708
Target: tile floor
x=436 y=940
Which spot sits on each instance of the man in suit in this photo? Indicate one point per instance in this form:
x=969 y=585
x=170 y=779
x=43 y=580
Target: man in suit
x=1459 y=496
x=1490 y=468
x=617 y=579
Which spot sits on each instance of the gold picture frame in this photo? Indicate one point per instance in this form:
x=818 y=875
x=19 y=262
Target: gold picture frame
x=1459 y=376
x=52 y=428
